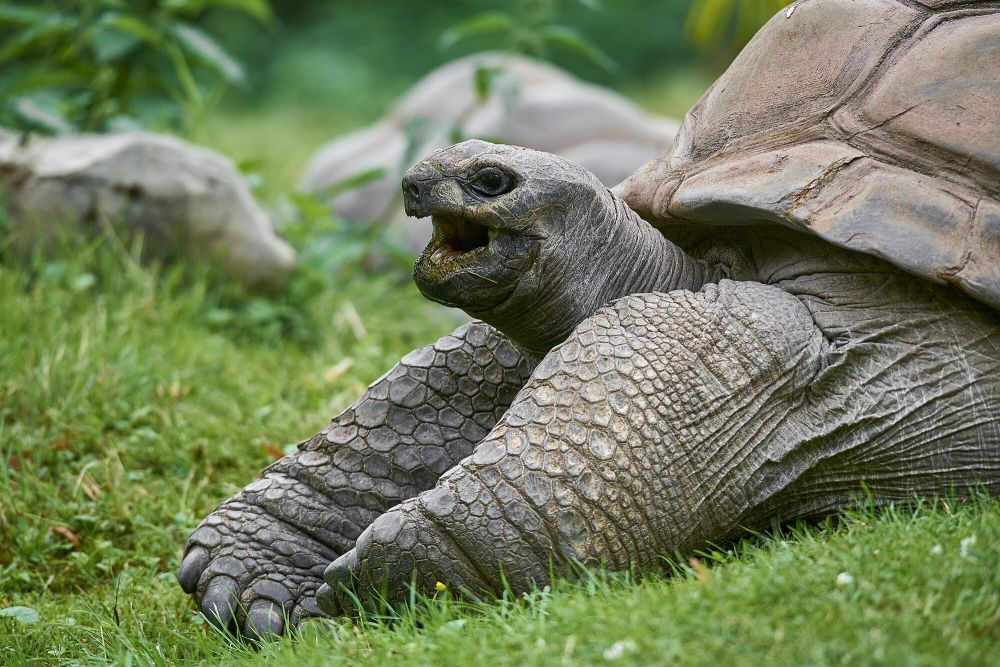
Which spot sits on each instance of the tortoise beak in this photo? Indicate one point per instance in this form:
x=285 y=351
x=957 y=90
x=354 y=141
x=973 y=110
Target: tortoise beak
x=417 y=184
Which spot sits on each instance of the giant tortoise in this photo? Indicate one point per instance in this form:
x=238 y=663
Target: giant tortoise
x=804 y=311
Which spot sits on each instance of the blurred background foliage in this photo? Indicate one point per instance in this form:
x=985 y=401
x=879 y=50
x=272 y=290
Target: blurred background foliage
x=268 y=83
x=324 y=67
x=283 y=77
x=99 y=65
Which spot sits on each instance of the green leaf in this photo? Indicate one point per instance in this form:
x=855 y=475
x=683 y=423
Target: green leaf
x=39 y=37
x=111 y=45
x=707 y=20
x=752 y=15
x=37 y=79
x=312 y=210
x=355 y=181
x=17 y=15
x=259 y=9
x=713 y=22
x=483 y=78
x=117 y=34
x=42 y=114
x=132 y=26
x=24 y=615
x=482 y=24
x=184 y=75
x=571 y=40
x=208 y=51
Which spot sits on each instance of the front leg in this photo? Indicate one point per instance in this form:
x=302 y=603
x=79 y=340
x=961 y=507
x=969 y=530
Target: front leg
x=636 y=437
x=261 y=554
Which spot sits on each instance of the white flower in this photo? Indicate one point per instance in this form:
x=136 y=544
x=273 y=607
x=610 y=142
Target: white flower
x=620 y=648
x=845 y=579
x=937 y=550
x=966 y=543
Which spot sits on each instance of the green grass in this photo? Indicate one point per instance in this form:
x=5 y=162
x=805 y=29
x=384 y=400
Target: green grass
x=132 y=401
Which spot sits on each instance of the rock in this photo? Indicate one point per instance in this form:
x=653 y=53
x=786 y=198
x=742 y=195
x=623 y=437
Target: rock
x=532 y=104
x=183 y=199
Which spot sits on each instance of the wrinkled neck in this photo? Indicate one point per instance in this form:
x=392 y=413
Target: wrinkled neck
x=643 y=260
x=612 y=254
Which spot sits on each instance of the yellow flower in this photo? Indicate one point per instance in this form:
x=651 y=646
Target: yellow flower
x=440 y=586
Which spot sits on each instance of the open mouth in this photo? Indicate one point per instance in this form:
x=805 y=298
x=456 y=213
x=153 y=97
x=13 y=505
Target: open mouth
x=455 y=238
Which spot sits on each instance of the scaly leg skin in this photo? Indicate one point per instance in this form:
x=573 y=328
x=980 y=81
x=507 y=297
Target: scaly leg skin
x=260 y=556
x=667 y=421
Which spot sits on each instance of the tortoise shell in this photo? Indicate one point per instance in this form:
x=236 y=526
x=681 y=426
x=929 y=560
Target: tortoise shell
x=874 y=124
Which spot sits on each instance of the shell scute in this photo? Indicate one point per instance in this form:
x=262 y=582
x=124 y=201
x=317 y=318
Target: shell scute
x=873 y=124
x=778 y=82
x=943 y=93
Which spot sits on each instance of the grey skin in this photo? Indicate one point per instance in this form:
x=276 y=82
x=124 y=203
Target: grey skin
x=679 y=397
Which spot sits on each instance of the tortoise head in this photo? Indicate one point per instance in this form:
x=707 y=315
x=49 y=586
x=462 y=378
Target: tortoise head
x=507 y=222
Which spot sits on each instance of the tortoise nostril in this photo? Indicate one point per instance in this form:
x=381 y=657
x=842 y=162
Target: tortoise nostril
x=411 y=190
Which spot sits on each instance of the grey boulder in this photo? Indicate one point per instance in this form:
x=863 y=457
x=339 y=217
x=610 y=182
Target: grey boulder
x=185 y=200
x=532 y=104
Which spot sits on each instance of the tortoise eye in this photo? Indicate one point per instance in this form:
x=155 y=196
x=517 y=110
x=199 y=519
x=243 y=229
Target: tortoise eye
x=491 y=182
